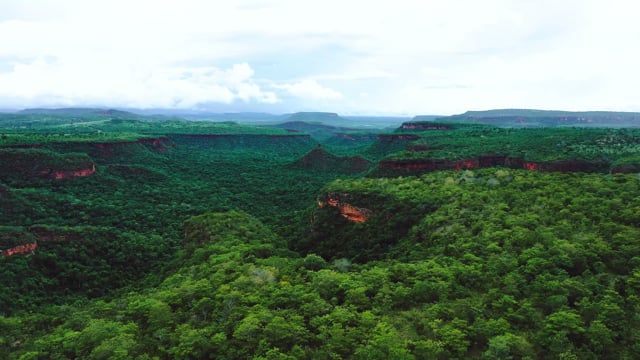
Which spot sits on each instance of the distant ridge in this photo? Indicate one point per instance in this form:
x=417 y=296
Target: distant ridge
x=545 y=118
x=313 y=116
x=77 y=111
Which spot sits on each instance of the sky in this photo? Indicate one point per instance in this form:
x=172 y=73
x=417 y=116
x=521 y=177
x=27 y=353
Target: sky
x=353 y=57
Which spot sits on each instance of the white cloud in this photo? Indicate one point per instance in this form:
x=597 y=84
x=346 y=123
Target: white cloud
x=407 y=56
x=310 y=89
x=79 y=82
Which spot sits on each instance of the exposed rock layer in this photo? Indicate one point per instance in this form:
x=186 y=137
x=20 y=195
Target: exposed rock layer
x=348 y=211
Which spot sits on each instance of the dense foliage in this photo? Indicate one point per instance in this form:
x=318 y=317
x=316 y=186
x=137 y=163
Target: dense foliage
x=537 y=144
x=505 y=264
x=209 y=244
x=128 y=215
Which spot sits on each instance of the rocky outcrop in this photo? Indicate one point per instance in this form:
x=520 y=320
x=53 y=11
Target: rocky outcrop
x=347 y=210
x=66 y=174
x=27 y=164
x=567 y=166
x=26 y=240
x=21 y=249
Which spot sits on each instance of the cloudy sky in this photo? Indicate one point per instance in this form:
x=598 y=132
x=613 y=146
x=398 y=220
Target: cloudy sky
x=396 y=57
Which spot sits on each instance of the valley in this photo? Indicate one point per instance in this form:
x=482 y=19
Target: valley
x=315 y=236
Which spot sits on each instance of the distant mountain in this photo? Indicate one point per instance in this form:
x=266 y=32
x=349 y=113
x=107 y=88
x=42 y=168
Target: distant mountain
x=318 y=130
x=314 y=116
x=425 y=117
x=547 y=118
x=78 y=112
x=241 y=117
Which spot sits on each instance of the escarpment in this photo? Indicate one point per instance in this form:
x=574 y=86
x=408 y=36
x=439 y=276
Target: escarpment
x=73 y=159
x=110 y=151
x=66 y=174
x=27 y=164
x=348 y=211
x=413 y=166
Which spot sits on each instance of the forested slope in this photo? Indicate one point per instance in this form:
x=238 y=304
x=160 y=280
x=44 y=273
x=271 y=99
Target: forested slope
x=233 y=242
x=499 y=264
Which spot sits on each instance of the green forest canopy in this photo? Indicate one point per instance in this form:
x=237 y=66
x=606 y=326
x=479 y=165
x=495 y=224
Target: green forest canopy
x=214 y=248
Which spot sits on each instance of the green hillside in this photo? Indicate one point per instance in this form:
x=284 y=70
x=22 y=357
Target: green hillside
x=143 y=237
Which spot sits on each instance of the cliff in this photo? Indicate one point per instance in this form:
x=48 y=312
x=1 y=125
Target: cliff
x=20 y=249
x=415 y=166
x=27 y=164
x=66 y=174
x=347 y=210
x=20 y=240
x=109 y=149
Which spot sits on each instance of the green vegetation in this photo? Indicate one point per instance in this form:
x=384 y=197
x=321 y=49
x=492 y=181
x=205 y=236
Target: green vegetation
x=18 y=165
x=204 y=240
x=605 y=148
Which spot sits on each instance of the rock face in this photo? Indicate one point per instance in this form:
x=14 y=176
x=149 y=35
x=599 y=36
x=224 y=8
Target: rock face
x=66 y=174
x=27 y=164
x=348 y=211
x=36 y=233
x=21 y=249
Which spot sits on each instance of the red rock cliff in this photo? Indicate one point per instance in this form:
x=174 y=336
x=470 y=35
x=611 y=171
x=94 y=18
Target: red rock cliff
x=348 y=211
x=66 y=174
x=21 y=249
